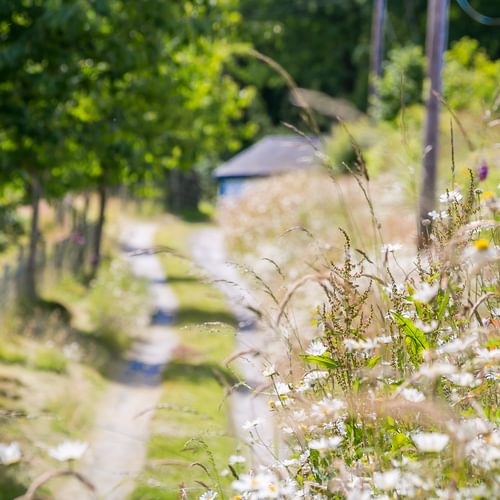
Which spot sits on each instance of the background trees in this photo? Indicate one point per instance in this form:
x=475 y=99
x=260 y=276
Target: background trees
x=100 y=94
x=325 y=44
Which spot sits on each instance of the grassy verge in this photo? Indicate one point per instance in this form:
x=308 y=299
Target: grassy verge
x=52 y=357
x=191 y=426
x=43 y=403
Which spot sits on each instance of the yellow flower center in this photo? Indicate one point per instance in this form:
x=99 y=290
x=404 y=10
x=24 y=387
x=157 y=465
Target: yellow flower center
x=487 y=195
x=481 y=244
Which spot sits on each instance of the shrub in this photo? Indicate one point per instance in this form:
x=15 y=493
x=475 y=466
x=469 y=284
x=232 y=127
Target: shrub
x=401 y=82
x=347 y=142
x=51 y=360
x=11 y=356
x=116 y=305
x=470 y=78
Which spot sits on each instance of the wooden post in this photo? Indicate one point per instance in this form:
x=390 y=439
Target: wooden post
x=437 y=22
x=20 y=272
x=97 y=250
x=31 y=278
x=5 y=285
x=377 y=46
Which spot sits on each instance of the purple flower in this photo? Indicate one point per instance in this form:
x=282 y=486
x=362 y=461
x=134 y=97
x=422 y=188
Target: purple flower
x=78 y=238
x=483 y=171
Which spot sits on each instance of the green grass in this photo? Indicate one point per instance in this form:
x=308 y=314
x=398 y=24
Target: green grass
x=50 y=360
x=192 y=424
x=10 y=355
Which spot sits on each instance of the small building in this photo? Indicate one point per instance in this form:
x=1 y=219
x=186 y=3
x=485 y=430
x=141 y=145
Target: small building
x=272 y=155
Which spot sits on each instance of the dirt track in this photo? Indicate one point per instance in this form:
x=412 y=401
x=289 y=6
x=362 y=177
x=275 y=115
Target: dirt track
x=117 y=445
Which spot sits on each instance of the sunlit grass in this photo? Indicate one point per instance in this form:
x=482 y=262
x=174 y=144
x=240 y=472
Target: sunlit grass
x=192 y=423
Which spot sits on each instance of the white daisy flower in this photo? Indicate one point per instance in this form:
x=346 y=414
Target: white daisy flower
x=208 y=495
x=68 y=450
x=282 y=388
x=457 y=345
x=326 y=408
x=391 y=247
x=324 y=444
x=463 y=379
x=481 y=252
x=316 y=348
x=10 y=453
x=450 y=196
x=236 y=459
x=269 y=371
x=412 y=395
x=311 y=378
x=430 y=441
x=436 y=370
x=426 y=293
x=443 y=215
x=388 y=480
x=250 y=424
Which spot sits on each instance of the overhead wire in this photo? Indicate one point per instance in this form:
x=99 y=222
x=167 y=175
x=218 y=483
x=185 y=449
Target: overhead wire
x=476 y=15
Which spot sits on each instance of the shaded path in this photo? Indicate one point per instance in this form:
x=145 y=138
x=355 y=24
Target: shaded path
x=117 y=445
x=208 y=251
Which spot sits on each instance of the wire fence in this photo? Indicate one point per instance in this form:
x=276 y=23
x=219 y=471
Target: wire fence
x=71 y=254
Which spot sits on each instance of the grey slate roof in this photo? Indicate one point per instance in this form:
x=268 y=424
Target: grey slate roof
x=275 y=154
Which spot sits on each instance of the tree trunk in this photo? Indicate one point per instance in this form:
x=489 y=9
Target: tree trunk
x=377 y=47
x=437 y=21
x=184 y=190
x=85 y=211
x=96 y=256
x=31 y=278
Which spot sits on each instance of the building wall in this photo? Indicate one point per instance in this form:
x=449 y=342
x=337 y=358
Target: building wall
x=232 y=186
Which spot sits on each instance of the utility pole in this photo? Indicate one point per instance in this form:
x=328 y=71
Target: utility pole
x=377 y=46
x=437 y=31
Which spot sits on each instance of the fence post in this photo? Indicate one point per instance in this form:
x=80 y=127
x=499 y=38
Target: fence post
x=20 y=271
x=5 y=292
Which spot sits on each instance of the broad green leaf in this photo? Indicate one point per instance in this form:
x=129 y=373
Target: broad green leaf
x=321 y=361
x=443 y=303
x=412 y=333
x=372 y=362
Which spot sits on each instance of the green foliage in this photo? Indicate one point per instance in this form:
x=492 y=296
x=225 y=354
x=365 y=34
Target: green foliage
x=11 y=226
x=322 y=361
x=324 y=45
x=10 y=355
x=470 y=77
x=299 y=36
x=401 y=82
x=116 y=303
x=348 y=141
x=51 y=360
x=99 y=94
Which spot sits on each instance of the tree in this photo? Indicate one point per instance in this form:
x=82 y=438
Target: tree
x=323 y=45
x=161 y=98
x=40 y=65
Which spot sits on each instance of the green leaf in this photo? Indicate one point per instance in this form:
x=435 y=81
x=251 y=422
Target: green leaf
x=443 y=303
x=411 y=330
x=321 y=361
x=372 y=362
